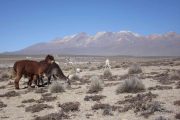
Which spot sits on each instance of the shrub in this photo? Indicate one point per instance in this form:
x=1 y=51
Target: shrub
x=177 y=116
x=94 y=98
x=56 y=87
x=98 y=106
x=70 y=106
x=132 y=85
x=178 y=85
x=177 y=102
x=5 y=76
x=29 y=101
x=46 y=98
x=152 y=107
x=2 y=87
x=134 y=69
x=107 y=73
x=117 y=66
x=53 y=116
x=2 y=104
x=92 y=68
x=10 y=94
x=158 y=87
x=73 y=70
x=174 y=75
x=37 y=108
x=161 y=118
x=74 y=77
x=96 y=85
x=107 y=111
x=40 y=90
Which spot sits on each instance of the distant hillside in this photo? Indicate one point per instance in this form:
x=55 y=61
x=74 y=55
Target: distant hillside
x=110 y=43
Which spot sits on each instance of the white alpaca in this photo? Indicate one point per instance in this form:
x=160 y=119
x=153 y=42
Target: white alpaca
x=70 y=63
x=78 y=70
x=107 y=64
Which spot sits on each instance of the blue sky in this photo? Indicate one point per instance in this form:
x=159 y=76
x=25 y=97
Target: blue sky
x=26 y=22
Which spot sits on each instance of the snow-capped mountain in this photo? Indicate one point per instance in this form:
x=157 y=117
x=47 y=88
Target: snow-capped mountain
x=110 y=43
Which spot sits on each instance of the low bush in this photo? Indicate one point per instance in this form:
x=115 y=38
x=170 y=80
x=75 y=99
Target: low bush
x=135 y=69
x=131 y=85
x=96 y=85
x=37 y=108
x=107 y=73
x=56 y=87
x=70 y=106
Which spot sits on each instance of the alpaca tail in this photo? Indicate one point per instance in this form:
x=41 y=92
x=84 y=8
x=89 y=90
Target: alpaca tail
x=13 y=72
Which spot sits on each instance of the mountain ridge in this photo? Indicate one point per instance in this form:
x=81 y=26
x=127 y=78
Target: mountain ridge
x=110 y=43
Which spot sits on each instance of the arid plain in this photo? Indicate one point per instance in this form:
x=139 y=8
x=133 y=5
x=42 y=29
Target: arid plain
x=154 y=95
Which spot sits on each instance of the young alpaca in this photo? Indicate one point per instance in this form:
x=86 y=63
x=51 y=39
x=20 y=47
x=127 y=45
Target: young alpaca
x=54 y=71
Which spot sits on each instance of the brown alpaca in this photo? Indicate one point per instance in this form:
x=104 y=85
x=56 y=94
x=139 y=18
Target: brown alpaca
x=31 y=69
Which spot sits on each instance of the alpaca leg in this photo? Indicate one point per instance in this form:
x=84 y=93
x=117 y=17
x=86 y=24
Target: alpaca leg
x=41 y=80
x=30 y=80
x=17 y=79
x=49 y=79
x=16 y=82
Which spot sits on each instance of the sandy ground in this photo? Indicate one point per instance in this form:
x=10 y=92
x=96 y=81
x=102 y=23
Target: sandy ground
x=15 y=109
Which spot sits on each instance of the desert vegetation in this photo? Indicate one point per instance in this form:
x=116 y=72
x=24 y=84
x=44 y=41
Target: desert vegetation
x=56 y=87
x=96 y=85
x=131 y=85
x=134 y=69
x=129 y=89
x=37 y=107
x=107 y=73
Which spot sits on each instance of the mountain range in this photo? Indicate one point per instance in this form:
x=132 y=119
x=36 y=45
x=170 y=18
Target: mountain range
x=110 y=43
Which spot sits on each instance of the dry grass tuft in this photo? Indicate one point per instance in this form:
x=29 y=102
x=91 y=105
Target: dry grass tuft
x=96 y=85
x=19 y=106
x=178 y=85
x=29 y=101
x=56 y=87
x=177 y=116
x=37 y=108
x=2 y=87
x=131 y=85
x=135 y=69
x=161 y=118
x=107 y=111
x=98 y=106
x=158 y=87
x=2 y=104
x=107 y=73
x=10 y=94
x=92 y=68
x=174 y=75
x=177 y=102
x=153 y=107
x=46 y=98
x=143 y=104
x=74 y=77
x=10 y=83
x=70 y=106
x=117 y=66
x=94 y=98
x=53 y=116
x=40 y=90
x=4 y=77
